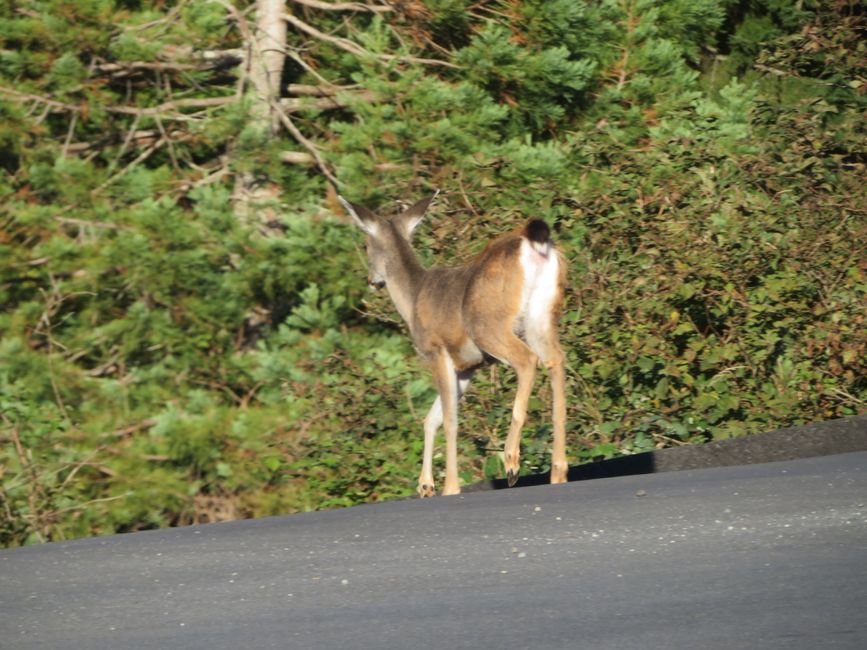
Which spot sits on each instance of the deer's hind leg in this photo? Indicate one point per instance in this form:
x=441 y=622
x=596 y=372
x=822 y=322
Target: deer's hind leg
x=551 y=356
x=512 y=350
x=542 y=338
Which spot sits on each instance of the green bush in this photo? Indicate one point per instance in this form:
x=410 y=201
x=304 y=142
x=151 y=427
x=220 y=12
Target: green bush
x=166 y=360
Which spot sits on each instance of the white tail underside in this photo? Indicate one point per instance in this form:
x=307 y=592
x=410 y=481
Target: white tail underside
x=540 y=290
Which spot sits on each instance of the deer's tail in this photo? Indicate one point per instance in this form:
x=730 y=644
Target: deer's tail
x=539 y=235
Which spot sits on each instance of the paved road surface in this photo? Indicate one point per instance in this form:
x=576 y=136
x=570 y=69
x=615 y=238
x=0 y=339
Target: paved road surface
x=761 y=556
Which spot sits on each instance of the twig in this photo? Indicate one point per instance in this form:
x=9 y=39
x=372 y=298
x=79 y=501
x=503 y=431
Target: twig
x=144 y=425
x=307 y=67
x=774 y=71
x=247 y=37
x=27 y=97
x=69 y=134
x=33 y=490
x=126 y=141
x=81 y=506
x=52 y=303
x=304 y=142
x=86 y=462
x=167 y=19
x=168 y=141
x=140 y=158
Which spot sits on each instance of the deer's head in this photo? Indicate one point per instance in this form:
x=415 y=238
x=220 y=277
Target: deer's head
x=388 y=239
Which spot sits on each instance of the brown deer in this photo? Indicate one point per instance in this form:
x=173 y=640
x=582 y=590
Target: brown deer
x=503 y=305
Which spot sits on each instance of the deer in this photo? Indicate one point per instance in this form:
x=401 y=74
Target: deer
x=503 y=305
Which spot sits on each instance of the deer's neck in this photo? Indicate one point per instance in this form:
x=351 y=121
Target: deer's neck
x=405 y=276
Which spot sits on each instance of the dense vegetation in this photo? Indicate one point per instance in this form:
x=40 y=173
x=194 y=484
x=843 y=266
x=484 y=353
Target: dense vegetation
x=186 y=333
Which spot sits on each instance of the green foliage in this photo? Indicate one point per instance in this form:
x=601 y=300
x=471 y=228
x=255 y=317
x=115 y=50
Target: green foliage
x=164 y=362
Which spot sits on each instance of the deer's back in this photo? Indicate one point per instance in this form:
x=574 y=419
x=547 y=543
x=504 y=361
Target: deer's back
x=464 y=308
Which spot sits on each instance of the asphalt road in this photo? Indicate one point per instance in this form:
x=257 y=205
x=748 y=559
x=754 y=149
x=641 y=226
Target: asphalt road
x=769 y=555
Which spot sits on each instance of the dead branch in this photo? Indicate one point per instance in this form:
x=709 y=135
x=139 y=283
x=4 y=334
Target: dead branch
x=343 y=43
x=69 y=133
x=159 y=109
x=343 y=6
x=295 y=104
x=297 y=158
x=308 y=90
x=49 y=103
x=774 y=71
x=173 y=105
x=304 y=158
x=144 y=425
x=129 y=67
x=354 y=48
x=91 y=224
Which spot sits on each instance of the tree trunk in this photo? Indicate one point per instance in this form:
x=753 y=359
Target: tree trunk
x=254 y=198
x=266 y=61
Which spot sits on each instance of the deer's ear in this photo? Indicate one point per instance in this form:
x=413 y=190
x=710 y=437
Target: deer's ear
x=413 y=215
x=363 y=218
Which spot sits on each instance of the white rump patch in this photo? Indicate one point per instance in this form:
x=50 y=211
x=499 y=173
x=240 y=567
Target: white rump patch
x=543 y=248
x=541 y=279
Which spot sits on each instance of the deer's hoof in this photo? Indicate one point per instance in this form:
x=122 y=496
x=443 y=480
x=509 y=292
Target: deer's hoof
x=512 y=477
x=426 y=490
x=559 y=474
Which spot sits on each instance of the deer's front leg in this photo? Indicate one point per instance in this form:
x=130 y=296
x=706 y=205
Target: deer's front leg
x=432 y=422
x=447 y=385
